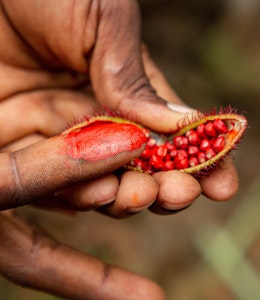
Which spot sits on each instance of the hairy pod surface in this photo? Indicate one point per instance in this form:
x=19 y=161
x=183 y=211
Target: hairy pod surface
x=200 y=142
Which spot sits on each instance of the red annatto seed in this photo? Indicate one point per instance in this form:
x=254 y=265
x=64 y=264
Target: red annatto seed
x=210 y=129
x=220 y=126
x=168 y=165
x=189 y=132
x=181 y=162
x=205 y=143
x=209 y=152
x=218 y=144
x=133 y=162
x=156 y=162
x=151 y=143
x=193 y=150
x=201 y=157
x=193 y=137
x=193 y=161
x=181 y=142
x=201 y=131
x=139 y=164
x=146 y=154
x=170 y=146
x=167 y=157
x=173 y=153
x=182 y=153
x=161 y=150
x=148 y=169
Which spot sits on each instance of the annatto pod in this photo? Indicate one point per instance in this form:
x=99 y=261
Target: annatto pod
x=200 y=142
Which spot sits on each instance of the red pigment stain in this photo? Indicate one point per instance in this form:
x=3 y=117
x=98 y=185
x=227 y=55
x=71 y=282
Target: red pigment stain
x=102 y=140
x=135 y=199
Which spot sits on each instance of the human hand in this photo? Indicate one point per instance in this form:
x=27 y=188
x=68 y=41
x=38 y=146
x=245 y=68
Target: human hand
x=49 y=68
x=32 y=258
x=50 y=55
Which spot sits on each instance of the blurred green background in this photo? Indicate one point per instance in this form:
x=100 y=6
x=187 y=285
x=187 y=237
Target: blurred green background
x=210 y=53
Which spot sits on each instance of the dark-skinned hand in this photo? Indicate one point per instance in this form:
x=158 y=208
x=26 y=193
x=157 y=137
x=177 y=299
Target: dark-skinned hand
x=58 y=60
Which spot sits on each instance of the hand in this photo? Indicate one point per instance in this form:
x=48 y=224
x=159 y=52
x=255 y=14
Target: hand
x=48 y=59
x=30 y=257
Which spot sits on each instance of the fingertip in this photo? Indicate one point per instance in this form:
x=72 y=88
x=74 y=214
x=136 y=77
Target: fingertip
x=100 y=140
x=154 y=292
x=136 y=192
x=147 y=289
x=130 y=286
x=223 y=183
x=141 y=189
x=177 y=190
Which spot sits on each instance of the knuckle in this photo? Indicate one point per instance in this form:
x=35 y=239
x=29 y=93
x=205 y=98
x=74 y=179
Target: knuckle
x=10 y=187
x=21 y=257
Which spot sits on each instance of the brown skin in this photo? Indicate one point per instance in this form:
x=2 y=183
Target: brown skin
x=50 y=50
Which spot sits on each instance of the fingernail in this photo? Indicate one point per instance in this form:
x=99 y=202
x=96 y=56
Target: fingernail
x=178 y=108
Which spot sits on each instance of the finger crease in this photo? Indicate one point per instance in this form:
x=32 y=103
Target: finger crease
x=106 y=274
x=16 y=175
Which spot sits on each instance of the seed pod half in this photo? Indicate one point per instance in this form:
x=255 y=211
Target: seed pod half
x=198 y=145
x=195 y=148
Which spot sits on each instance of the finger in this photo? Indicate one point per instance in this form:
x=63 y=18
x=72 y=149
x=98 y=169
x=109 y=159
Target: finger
x=117 y=70
x=51 y=202
x=158 y=80
x=47 y=112
x=136 y=192
x=32 y=259
x=23 y=142
x=63 y=160
x=162 y=86
x=223 y=182
x=177 y=191
x=92 y=194
x=98 y=192
x=115 y=64
x=81 y=196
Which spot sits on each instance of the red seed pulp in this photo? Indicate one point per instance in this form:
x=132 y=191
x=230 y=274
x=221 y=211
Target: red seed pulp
x=196 y=146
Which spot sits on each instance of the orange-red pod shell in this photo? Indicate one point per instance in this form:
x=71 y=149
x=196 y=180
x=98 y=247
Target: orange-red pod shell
x=196 y=147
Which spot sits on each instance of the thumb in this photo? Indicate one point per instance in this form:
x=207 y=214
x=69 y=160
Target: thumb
x=117 y=70
x=58 y=162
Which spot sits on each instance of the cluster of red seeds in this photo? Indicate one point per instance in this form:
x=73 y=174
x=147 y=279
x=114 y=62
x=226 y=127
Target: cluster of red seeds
x=195 y=147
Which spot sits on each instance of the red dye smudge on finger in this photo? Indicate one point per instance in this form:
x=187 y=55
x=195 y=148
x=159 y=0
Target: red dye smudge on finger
x=101 y=140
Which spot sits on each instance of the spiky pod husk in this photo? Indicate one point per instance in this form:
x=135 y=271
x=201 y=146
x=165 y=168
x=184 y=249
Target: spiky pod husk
x=200 y=142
